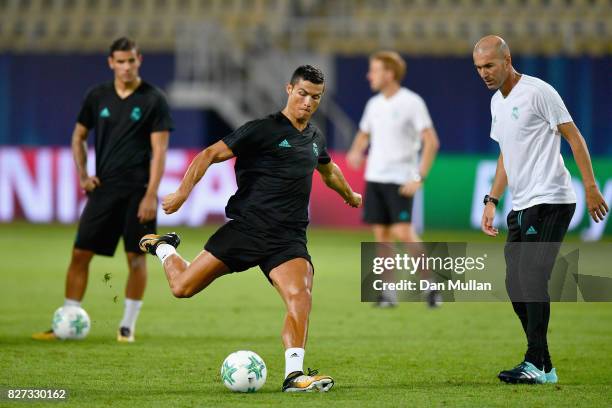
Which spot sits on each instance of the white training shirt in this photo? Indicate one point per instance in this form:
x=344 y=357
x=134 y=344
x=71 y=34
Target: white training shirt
x=394 y=125
x=524 y=123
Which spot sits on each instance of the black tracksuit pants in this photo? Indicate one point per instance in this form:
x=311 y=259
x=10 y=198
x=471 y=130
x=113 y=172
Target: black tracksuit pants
x=528 y=269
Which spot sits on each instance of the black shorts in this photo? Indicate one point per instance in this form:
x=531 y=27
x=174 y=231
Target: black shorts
x=385 y=205
x=240 y=250
x=109 y=214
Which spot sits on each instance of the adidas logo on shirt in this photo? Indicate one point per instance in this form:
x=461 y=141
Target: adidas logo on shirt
x=105 y=113
x=284 y=143
x=531 y=231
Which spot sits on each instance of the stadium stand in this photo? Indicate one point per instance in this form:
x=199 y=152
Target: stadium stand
x=429 y=27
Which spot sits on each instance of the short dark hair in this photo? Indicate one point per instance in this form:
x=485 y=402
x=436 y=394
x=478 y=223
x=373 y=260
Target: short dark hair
x=307 y=73
x=123 y=44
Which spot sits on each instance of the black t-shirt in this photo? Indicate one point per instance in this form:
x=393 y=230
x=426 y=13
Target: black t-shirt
x=123 y=130
x=274 y=166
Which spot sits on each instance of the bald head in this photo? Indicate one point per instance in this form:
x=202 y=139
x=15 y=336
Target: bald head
x=492 y=44
x=492 y=61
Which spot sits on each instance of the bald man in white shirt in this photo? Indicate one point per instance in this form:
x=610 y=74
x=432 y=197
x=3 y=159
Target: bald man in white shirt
x=528 y=120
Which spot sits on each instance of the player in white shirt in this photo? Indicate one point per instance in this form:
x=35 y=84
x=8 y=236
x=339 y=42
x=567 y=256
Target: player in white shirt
x=528 y=120
x=395 y=126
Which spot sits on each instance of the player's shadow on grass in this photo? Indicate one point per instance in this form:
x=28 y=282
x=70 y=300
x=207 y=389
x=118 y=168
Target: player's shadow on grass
x=202 y=392
x=423 y=385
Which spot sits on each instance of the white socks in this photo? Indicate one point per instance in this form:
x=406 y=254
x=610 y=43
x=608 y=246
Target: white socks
x=71 y=302
x=130 y=313
x=163 y=251
x=294 y=360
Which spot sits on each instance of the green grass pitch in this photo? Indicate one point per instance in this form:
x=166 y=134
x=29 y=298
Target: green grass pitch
x=408 y=356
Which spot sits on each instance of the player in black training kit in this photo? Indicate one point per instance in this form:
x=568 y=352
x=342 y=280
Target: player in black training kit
x=132 y=122
x=275 y=160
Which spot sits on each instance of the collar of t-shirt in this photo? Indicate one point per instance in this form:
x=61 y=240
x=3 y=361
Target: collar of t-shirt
x=288 y=121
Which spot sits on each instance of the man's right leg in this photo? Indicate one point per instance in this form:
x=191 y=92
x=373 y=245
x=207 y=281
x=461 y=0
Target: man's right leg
x=512 y=254
x=78 y=273
x=376 y=213
x=98 y=232
x=524 y=372
x=185 y=279
x=382 y=235
x=76 y=283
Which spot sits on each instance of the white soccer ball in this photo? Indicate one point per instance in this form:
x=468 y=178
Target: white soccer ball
x=243 y=371
x=71 y=323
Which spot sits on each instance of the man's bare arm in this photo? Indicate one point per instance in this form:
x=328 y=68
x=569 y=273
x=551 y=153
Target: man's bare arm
x=333 y=178
x=431 y=145
x=159 y=146
x=356 y=154
x=79 y=152
x=215 y=153
x=595 y=202
x=501 y=179
x=497 y=189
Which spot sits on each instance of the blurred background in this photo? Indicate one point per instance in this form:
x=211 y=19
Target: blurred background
x=223 y=62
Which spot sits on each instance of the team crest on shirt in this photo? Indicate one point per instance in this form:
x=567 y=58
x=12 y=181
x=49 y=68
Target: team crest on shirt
x=136 y=114
x=315 y=149
x=515 y=113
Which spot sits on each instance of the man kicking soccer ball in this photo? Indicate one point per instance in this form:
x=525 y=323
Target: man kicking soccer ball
x=276 y=158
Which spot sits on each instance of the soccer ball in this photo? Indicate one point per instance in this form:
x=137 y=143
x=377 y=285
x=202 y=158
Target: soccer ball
x=243 y=371
x=71 y=323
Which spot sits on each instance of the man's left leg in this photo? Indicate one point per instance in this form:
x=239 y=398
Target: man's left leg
x=405 y=233
x=133 y=230
x=385 y=248
x=542 y=229
x=552 y=222
x=134 y=291
x=293 y=281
